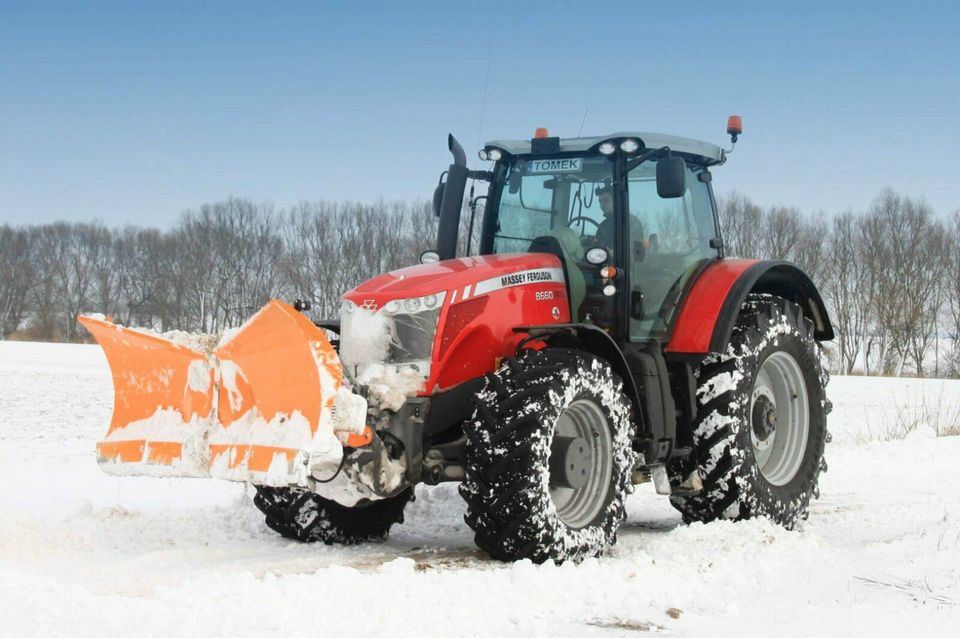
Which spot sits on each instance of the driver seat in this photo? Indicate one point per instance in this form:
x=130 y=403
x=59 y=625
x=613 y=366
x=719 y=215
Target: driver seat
x=563 y=243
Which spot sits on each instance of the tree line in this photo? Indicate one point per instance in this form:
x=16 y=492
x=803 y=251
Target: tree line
x=890 y=275
x=211 y=271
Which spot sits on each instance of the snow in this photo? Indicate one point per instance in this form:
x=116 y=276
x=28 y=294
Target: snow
x=349 y=414
x=228 y=381
x=196 y=341
x=364 y=347
x=199 y=376
x=366 y=336
x=84 y=553
x=389 y=385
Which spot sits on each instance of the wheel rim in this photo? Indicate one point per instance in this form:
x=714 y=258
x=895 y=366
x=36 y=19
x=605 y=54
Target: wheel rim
x=779 y=418
x=584 y=421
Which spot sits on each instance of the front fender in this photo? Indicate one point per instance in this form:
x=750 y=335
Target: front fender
x=593 y=340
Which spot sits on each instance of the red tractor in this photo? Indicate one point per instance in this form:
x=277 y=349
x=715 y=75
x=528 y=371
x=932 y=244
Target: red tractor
x=598 y=339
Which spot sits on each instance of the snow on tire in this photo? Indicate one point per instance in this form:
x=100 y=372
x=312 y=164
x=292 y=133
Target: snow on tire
x=548 y=458
x=761 y=424
x=301 y=515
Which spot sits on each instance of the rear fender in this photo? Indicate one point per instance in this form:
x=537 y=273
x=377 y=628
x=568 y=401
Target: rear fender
x=709 y=310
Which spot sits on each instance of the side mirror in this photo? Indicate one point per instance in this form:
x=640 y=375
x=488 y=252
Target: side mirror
x=671 y=177
x=438 y=198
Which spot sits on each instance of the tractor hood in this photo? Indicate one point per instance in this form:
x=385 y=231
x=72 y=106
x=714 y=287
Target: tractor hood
x=430 y=326
x=460 y=278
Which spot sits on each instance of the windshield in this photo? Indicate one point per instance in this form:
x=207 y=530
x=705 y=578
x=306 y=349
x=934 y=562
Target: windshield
x=554 y=196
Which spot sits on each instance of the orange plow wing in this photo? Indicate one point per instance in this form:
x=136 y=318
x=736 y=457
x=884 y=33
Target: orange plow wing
x=257 y=408
x=279 y=378
x=163 y=403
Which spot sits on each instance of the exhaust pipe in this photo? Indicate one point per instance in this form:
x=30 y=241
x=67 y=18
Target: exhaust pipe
x=452 y=203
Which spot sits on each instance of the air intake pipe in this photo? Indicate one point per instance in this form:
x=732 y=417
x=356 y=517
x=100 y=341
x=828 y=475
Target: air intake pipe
x=452 y=203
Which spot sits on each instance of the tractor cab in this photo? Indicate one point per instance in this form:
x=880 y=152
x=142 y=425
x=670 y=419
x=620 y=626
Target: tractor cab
x=631 y=216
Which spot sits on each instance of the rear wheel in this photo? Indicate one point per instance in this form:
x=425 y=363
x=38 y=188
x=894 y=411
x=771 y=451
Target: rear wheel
x=761 y=425
x=548 y=458
x=302 y=515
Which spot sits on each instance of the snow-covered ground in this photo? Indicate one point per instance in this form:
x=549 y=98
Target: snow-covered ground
x=83 y=553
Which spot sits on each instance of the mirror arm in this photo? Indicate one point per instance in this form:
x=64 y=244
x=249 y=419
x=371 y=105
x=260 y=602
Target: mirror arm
x=640 y=159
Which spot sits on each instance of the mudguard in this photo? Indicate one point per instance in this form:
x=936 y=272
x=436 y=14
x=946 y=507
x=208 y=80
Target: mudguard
x=592 y=339
x=708 y=312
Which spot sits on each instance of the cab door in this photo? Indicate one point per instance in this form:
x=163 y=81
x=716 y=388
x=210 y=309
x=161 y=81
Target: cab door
x=669 y=240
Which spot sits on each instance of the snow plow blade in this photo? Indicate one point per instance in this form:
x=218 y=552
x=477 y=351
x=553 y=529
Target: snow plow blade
x=279 y=377
x=163 y=402
x=257 y=408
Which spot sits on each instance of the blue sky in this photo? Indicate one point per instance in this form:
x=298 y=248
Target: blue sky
x=131 y=114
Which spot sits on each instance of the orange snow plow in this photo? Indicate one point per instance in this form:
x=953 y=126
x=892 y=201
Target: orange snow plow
x=257 y=406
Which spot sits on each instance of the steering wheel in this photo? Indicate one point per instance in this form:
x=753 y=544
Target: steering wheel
x=583 y=218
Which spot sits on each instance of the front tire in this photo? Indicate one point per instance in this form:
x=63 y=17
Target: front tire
x=761 y=424
x=548 y=458
x=302 y=515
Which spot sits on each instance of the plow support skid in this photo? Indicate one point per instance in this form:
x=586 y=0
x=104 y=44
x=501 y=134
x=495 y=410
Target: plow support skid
x=258 y=407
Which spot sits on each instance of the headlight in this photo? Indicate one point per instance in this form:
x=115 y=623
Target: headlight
x=391 y=307
x=494 y=154
x=629 y=146
x=414 y=305
x=607 y=148
x=482 y=154
x=410 y=306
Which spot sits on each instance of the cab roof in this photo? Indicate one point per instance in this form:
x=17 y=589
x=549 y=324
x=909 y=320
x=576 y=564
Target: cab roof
x=709 y=152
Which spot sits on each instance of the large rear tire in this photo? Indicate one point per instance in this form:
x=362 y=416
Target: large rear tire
x=548 y=458
x=301 y=515
x=761 y=422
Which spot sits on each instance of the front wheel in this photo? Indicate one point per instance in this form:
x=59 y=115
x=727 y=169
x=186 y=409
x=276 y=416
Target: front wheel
x=301 y=515
x=761 y=424
x=548 y=458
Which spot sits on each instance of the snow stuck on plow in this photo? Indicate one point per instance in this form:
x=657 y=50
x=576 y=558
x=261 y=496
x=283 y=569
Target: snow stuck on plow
x=256 y=406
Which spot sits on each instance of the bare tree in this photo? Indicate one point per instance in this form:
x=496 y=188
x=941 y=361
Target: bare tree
x=741 y=222
x=17 y=277
x=951 y=288
x=904 y=244
x=781 y=231
x=845 y=287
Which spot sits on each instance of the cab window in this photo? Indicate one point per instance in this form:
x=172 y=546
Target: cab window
x=675 y=239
